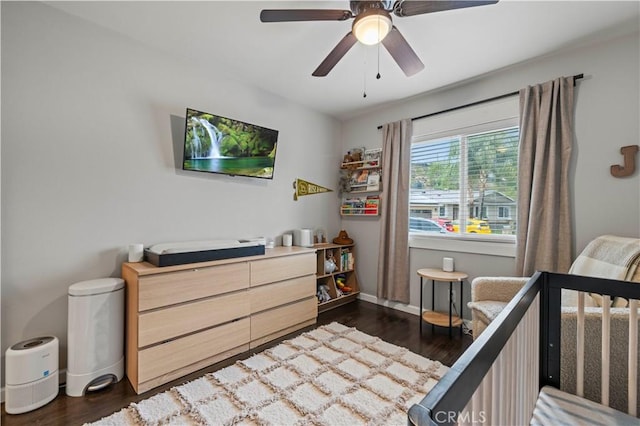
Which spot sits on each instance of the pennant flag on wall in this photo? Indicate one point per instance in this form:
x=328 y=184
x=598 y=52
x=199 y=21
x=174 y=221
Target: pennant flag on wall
x=303 y=187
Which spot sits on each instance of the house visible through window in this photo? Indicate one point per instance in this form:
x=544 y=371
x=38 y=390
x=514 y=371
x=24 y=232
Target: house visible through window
x=467 y=179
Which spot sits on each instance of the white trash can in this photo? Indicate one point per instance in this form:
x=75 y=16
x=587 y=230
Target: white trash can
x=95 y=341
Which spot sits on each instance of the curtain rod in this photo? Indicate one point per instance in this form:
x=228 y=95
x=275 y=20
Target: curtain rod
x=495 y=98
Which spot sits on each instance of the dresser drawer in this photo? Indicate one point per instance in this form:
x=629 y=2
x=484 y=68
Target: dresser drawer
x=171 y=288
x=281 y=293
x=282 y=268
x=180 y=353
x=165 y=324
x=274 y=320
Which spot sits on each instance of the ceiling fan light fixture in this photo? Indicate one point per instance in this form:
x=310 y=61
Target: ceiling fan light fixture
x=372 y=26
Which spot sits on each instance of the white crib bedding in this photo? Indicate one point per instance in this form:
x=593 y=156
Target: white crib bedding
x=555 y=407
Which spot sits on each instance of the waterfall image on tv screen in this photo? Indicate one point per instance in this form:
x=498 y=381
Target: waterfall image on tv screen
x=218 y=144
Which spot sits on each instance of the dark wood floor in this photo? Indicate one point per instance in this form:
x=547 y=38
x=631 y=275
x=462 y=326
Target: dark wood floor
x=390 y=325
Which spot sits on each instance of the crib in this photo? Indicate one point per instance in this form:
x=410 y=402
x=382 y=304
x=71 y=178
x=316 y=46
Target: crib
x=510 y=375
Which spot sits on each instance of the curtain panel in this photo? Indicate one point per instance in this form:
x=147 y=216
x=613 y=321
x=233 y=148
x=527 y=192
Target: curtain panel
x=544 y=235
x=393 y=265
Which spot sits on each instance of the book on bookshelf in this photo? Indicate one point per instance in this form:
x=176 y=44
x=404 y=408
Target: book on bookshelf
x=372 y=157
x=371 y=205
x=359 y=179
x=373 y=181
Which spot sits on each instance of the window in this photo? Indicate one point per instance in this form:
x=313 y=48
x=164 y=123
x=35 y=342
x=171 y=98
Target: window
x=480 y=212
x=471 y=173
x=419 y=212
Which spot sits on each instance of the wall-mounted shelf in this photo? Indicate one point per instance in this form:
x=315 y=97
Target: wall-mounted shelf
x=364 y=180
x=359 y=165
x=370 y=159
x=360 y=177
x=348 y=211
x=360 y=206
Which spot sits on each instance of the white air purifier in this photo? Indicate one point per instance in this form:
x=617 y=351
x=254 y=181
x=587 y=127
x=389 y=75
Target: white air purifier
x=303 y=237
x=31 y=374
x=95 y=346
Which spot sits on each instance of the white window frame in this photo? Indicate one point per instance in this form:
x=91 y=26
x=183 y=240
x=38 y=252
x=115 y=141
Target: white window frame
x=502 y=209
x=479 y=118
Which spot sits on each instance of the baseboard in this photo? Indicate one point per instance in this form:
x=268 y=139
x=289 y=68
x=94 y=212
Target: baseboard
x=410 y=309
x=62 y=379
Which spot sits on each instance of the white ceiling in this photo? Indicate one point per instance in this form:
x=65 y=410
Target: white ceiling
x=455 y=45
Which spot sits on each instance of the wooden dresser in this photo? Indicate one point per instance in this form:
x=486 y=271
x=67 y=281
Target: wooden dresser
x=186 y=317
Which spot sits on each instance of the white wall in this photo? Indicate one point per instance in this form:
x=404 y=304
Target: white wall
x=92 y=126
x=606 y=118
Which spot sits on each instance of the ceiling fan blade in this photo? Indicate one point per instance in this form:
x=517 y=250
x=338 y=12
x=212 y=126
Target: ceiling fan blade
x=411 y=7
x=403 y=54
x=290 y=15
x=335 y=55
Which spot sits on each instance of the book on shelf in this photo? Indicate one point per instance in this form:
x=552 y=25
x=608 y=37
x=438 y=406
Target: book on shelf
x=371 y=204
x=352 y=205
x=372 y=157
x=359 y=178
x=373 y=181
x=346 y=260
x=355 y=203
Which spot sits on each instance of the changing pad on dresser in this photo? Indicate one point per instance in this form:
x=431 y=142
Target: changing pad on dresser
x=169 y=254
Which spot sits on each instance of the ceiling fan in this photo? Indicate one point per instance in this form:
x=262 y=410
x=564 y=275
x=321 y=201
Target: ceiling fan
x=372 y=25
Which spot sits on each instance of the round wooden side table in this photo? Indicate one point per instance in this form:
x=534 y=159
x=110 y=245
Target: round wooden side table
x=433 y=317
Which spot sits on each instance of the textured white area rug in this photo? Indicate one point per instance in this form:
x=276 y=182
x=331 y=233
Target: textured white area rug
x=333 y=375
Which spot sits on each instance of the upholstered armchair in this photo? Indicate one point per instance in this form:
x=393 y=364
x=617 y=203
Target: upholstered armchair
x=489 y=296
x=605 y=257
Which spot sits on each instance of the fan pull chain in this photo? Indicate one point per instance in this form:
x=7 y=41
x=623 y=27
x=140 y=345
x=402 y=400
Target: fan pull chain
x=364 y=74
x=364 y=90
x=378 y=75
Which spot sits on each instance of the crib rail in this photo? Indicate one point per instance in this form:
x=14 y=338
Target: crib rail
x=633 y=358
x=515 y=373
x=552 y=316
x=486 y=384
x=470 y=392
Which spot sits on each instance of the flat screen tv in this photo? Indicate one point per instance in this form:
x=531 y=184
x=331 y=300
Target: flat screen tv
x=216 y=144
